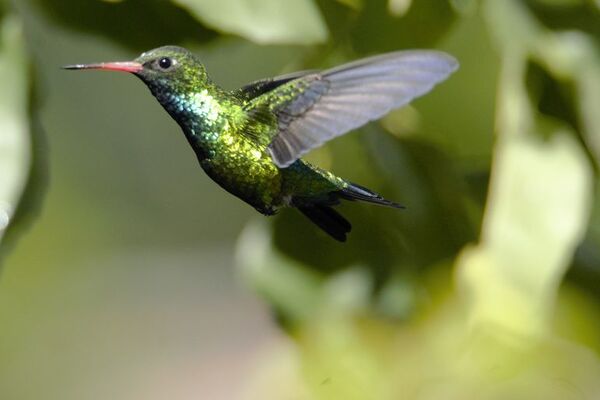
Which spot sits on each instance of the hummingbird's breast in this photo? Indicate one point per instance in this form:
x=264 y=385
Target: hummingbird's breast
x=244 y=169
x=214 y=126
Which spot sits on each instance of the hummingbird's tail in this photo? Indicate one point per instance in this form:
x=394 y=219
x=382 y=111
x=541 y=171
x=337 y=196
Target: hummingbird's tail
x=357 y=192
x=314 y=192
x=326 y=218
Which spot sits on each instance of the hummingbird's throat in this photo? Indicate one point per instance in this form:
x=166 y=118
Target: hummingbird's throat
x=198 y=112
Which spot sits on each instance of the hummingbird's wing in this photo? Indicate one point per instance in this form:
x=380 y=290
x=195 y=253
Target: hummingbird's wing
x=262 y=86
x=317 y=107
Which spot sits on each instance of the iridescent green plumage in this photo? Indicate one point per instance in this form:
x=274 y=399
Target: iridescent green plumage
x=249 y=141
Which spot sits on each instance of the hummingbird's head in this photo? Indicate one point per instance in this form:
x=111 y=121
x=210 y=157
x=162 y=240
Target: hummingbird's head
x=172 y=70
x=167 y=70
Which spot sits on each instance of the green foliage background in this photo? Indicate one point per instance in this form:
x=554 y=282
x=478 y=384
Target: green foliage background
x=125 y=270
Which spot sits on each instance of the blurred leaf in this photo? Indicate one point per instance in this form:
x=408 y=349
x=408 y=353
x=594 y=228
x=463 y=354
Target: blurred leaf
x=422 y=26
x=561 y=3
x=399 y=7
x=586 y=269
x=15 y=142
x=436 y=223
x=436 y=357
x=564 y=15
x=224 y=56
x=263 y=21
x=138 y=24
x=569 y=56
x=531 y=229
x=290 y=288
x=465 y=6
x=339 y=19
x=354 y=4
x=512 y=248
x=463 y=133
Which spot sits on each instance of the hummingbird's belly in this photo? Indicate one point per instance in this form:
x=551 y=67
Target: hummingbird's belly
x=245 y=171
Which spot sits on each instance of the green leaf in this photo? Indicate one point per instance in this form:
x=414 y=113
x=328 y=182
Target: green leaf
x=571 y=56
x=465 y=7
x=540 y=194
x=537 y=213
x=561 y=3
x=137 y=24
x=399 y=7
x=263 y=21
x=353 y=4
x=291 y=289
x=421 y=25
x=15 y=142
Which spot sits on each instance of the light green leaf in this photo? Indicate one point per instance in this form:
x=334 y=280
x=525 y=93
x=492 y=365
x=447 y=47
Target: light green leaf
x=15 y=145
x=293 y=291
x=537 y=213
x=466 y=7
x=298 y=294
x=561 y=3
x=354 y=4
x=540 y=195
x=263 y=21
x=399 y=7
x=571 y=56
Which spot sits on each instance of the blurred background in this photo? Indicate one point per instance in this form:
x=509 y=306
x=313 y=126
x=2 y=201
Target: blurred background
x=128 y=274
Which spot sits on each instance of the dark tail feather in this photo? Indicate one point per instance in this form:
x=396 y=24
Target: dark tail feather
x=357 y=192
x=328 y=219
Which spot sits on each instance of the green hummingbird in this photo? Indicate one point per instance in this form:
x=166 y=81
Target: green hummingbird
x=250 y=140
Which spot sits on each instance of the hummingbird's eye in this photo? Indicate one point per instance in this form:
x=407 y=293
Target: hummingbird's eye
x=165 y=63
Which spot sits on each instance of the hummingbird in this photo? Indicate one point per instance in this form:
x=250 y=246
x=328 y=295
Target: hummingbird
x=250 y=140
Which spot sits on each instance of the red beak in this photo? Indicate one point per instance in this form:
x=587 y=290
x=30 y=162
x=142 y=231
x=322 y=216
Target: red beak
x=124 y=66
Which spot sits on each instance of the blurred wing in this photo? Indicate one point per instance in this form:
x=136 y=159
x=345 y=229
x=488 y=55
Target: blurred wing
x=318 y=107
